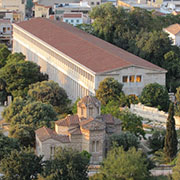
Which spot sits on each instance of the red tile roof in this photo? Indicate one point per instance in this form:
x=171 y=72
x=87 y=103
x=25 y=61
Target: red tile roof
x=90 y=51
x=173 y=29
x=70 y=15
x=75 y=131
x=89 y=100
x=69 y=120
x=45 y=133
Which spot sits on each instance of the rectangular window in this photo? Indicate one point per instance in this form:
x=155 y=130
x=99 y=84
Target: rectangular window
x=92 y=3
x=97 y=146
x=66 y=20
x=125 y=79
x=82 y=111
x=98 y=3
x=138 y=78
x=131 y=78
x=93 y=146
x=4 y=29
x=90 y=111
x=72 y=20
x=77 y=20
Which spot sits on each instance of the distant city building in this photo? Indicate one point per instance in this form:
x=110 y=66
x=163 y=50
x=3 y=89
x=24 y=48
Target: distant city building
x=75 y=18
x=88 y=130
x=14 y=5
x=79 y=61
x=41 y=10
x=61 y=9
x=174 y=33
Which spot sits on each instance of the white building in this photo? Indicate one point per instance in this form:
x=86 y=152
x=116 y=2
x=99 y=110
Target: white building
x=174 y=33
x=75 y=18
x=79 y=61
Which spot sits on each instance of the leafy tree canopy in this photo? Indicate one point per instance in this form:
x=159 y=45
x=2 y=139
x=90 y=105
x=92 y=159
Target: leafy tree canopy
x=170 y=147
x=109 y=89
x=121 y=164
x=21 y=165
x=18 y=76
x=4 y=53
x=50 y=92
x=155 y=95
x=132 y=123
x=15 y=57
x=124 y=139
x=67 y=164
x=24 y=134
x=156 y=141
x=36 y=115
x=7 y=145
x=176 y=172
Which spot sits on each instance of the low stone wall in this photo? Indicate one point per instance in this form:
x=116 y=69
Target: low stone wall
x=152 y=113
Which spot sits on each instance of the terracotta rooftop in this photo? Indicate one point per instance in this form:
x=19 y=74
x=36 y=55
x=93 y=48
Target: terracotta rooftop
x=45 y=133
x=89 y=100
x=69 y=120
x=92 y=124
x=97 y=55
x=72 y=15
x=173 y=29
x=75 y=131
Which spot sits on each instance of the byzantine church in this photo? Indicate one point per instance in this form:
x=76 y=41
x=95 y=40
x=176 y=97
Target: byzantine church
x=87 y=130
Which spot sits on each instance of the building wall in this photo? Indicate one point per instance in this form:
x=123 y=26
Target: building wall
x=76 y=80
x=97 y=146
x=147 y=77
x=177 y=40
x=44 y=148
x=73 y=21
x=41 y=11
x=152 y=114
x=76 y=142
x=15 y=5
x=5 y=28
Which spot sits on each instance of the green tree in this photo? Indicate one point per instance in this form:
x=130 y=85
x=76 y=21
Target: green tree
x=172 y=65
x=21 y=165
x=50 y=92
x=4 y=53
x=74 y=106
x=18 y=76
x=36 y=115
x=14 y=108
x=170 y=147
x=105 y=19
x=156 y=141
x=126 y=165
x=15 y=57
x=124 y=139
x=67 y=164
x=176 y=169
x=132 y=123
x=24 y=134
x=7 y=145
x=109 y=89
x=3 y=92
x=177 y=106
x=155 y=95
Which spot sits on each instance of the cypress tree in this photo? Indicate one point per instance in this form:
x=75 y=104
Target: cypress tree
x=171 y=136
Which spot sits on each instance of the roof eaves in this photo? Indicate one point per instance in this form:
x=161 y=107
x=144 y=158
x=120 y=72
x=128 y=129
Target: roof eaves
x=153 y=69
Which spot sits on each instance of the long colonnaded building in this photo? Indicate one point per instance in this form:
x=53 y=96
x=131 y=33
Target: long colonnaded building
x=79 y=61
